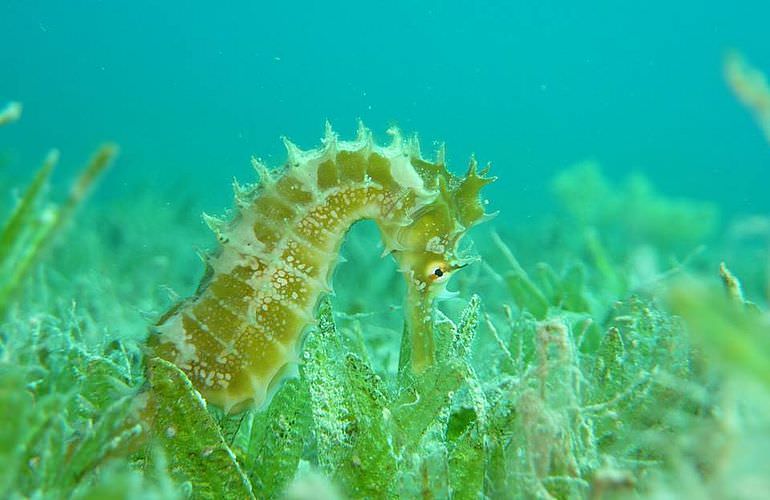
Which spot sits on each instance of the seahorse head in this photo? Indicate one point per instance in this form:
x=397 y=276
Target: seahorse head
x=430 y=250
x=431 y=243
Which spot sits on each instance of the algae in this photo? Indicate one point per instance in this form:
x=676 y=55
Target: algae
x=34 y=222
x=750 y=86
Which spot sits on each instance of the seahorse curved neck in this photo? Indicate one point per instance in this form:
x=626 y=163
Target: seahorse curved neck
x=238 y=334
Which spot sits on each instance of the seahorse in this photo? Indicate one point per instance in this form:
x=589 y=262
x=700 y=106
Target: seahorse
x=238 y=336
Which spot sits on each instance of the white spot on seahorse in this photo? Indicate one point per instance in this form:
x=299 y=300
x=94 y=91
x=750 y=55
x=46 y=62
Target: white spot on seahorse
x=404 y=173
x=173 y=332
x=435 y=245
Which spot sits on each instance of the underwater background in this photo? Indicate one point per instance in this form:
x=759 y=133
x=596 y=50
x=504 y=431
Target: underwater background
x=611 y=357
x=190 y=91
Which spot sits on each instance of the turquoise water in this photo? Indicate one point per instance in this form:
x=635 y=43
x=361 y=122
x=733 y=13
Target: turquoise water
x=612 y=337
x=190 y=90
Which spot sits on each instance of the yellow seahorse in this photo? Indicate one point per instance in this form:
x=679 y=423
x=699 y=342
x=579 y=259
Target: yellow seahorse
x=238 y=334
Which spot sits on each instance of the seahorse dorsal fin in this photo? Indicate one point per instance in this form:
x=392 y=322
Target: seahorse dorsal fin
x=217 y=225
x=262 y=171
x=293 y=153
x=396 y=139
x=472 y=166
x=413 y=146
x=364 y=138
x=203 y=255
x=441 y=154
x=242 y=194
x=329 y=141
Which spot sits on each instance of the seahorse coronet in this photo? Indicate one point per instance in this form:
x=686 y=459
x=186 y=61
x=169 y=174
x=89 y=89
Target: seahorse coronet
x=240 y=333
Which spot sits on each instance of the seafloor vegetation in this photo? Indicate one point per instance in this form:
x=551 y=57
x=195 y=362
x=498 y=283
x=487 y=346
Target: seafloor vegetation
x=601 y=351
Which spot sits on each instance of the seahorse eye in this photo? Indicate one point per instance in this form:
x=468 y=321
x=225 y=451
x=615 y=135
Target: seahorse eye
x=437 y=272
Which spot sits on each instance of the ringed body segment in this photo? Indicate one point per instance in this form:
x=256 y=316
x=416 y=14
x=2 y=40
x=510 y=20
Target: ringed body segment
x=238 y=336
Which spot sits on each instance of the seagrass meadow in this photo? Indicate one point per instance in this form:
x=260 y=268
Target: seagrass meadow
x=462 y=272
